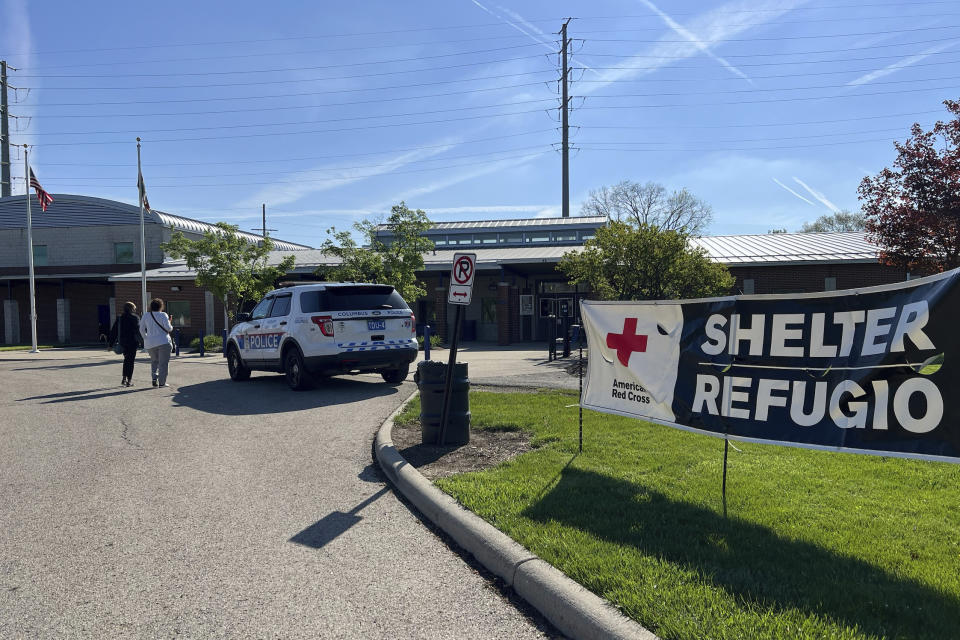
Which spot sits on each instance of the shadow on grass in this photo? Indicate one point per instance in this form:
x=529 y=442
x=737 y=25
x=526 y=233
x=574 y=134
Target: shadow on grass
x=750 y=561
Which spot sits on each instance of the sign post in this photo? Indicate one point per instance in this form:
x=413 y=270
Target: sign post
x=460 y=294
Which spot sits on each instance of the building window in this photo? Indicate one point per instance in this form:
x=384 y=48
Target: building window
x=439 y=241
x=830 y=284
x=39 y=255
x=565 y=236
x=586 y=235
x=542 y=236
x=123 y=252
x=748 y=286
x=461 y=239
x=511 y=238
x=179 y=311
x=488 y=310
x=485 y=238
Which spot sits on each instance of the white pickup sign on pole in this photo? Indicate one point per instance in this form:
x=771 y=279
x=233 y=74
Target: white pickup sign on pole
x=461 y=278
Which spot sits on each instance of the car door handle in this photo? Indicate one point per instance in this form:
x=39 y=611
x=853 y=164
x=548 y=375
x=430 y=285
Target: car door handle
x=283 y=323
x=256 y=326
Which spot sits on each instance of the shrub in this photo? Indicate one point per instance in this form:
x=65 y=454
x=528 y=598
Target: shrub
x=435 y=341
x=211 y=343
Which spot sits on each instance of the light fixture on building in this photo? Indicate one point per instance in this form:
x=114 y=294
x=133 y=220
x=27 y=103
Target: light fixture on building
x=175 y=288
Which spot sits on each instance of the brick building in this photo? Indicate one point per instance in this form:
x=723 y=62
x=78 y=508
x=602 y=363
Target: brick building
x=87 y=264
x=79 y=244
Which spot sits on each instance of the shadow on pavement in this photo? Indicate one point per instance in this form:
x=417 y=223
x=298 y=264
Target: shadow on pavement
x=750 y=561
x=332 y=525
x=266 y=393
x=118 y=362
x=89 y=394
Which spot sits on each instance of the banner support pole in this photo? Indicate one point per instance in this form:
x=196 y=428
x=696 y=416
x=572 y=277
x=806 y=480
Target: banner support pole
x=580 y=367
x=723 y=490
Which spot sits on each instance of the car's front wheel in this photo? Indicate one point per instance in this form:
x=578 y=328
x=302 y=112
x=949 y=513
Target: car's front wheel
x=238 y=372
x=396 y=376
x=298 y=378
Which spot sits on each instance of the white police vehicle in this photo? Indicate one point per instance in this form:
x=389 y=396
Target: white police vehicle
x=325 y=329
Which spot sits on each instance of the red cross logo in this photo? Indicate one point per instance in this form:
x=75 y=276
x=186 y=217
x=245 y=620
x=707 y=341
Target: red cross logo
x=627 y=342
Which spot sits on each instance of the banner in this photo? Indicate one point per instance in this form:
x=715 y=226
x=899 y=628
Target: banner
x=864 y=370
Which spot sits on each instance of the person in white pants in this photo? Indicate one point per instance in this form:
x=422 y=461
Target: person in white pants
x=155 y=327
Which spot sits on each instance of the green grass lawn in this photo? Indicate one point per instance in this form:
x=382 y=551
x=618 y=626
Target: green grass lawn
x=817 y=544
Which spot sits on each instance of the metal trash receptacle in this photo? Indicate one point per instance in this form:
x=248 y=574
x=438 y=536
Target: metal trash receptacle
x=431 y=380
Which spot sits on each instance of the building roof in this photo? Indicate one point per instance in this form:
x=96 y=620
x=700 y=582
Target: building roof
x=788 y=248
x=759 y=250
x=581 y=221
x=71 y=210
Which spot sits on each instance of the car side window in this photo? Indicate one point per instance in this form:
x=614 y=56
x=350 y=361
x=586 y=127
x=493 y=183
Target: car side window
x=262 y=310
x=281 y=306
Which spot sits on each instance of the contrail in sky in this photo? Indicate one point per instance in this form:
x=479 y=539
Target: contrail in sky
x=900 y=64
x=816 y=194
x=685 y=33
x=794 y=192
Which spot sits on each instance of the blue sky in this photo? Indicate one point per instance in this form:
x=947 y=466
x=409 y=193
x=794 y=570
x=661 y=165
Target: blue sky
x=772 y=111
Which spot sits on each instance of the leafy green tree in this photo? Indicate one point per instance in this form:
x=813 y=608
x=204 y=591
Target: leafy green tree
x=229 y=265
x=394 y=255
x=623 y=262
x=840 y=221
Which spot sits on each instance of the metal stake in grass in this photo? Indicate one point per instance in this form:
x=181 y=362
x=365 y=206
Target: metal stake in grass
x=723 y=490
x=580 y=366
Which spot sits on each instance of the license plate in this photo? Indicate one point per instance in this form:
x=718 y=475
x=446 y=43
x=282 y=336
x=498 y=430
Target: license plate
x=376 y=325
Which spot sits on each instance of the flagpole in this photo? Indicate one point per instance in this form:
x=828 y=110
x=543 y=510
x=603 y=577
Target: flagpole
x=33 y=300
x=143 y=246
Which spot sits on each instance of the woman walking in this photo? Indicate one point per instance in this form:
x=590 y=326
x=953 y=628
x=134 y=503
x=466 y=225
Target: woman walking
x=156 y=329
x=126 y=333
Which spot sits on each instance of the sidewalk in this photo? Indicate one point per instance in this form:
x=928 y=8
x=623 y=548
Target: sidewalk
x=523 y=365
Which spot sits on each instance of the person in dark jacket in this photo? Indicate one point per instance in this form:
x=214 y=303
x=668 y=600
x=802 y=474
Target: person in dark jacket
x=126 y=333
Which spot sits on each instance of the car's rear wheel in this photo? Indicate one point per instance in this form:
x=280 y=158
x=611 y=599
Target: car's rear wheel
x=396 y=376
x=238 y=372
x=298 y=378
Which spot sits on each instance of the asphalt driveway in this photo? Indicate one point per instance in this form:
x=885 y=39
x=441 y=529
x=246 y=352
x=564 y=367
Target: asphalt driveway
x=215 y=509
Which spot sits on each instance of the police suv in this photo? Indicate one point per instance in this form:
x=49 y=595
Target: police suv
x=325 y=329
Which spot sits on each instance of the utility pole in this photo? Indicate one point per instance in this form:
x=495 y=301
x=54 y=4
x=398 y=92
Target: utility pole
x=4 y=134
x=565 y=125
x=264 y=229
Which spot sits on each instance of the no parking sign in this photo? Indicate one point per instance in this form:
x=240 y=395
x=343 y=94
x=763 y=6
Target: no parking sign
x=461 y=278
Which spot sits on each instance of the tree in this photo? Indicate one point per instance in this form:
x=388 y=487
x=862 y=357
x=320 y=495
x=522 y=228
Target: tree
x=393 y=262
x=913 y=209
x=840 y=221
x=229 y=265
x=623 y=262
x=649 y=204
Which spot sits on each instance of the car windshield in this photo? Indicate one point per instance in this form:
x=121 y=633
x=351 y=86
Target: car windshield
x=351 y=298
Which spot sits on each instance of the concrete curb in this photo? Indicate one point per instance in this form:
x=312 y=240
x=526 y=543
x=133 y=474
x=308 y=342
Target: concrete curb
x=575 y=611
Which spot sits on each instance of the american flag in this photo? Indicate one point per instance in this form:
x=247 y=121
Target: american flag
x=44 y=197
x=143 y=191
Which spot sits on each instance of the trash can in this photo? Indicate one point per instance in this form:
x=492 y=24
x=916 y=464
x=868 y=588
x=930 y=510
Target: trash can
x=431 y=380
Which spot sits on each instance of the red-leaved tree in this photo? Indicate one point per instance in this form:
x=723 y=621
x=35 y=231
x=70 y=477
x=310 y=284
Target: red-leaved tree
x=913 y=209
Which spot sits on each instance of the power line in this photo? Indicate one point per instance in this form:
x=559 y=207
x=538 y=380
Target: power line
x=287 y=107
x=307 y=181
x=302 y=159
x=794 y=53
x=301 y=172
x=280 y=70
x=163 y=45
x=775 y=124
x=296 y=122
x=299 y=80
x=315 y=106
x=289 y=133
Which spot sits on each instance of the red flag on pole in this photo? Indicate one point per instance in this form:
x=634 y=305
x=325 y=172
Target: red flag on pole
x=44 y=197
